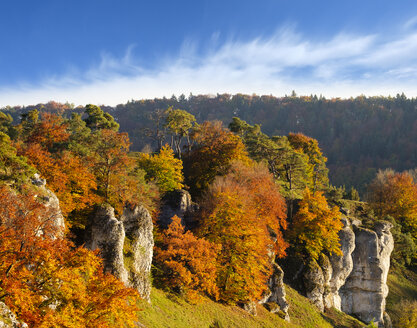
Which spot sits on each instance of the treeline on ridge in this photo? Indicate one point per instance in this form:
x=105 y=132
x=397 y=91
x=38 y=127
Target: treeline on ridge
x=358 y=135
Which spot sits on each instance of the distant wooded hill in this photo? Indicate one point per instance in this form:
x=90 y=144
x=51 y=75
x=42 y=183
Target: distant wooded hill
x=358 y=135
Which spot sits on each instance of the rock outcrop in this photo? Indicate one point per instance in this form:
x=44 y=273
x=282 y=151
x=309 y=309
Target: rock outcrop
x=51 y=202
x=139 y=244
x=365 y=289
x=179 y=203
x=341 y=266
x=275 y=300
x=107 y=234
x=125 y=243
x=316 y=278
x=323 y=280
x=250 y=307
x=8 y=318
x=355 y=283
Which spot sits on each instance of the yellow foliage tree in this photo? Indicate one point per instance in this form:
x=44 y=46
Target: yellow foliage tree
x=163 y=168
x=244 y=213
x=315 y=227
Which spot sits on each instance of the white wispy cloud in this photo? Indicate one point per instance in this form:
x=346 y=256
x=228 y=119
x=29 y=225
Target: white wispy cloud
x=410 y=23
x=343 y=65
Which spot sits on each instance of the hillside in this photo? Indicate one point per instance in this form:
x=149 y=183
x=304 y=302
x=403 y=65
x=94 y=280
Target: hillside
x=236 y=196
x=402 y=297
x=170 y=311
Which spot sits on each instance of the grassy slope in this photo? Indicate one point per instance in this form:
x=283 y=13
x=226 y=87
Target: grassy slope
x=402 y=286
x=170 y=311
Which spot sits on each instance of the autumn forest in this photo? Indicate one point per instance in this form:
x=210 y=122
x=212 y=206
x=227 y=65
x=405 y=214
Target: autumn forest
x=271 y=180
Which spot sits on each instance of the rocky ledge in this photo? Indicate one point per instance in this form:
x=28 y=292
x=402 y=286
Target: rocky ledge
x=125 y=243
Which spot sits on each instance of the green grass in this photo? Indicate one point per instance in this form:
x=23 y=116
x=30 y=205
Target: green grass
x=402 y=285
x=168 y=310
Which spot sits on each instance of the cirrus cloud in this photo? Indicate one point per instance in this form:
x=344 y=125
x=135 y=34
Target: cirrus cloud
x=344 y=65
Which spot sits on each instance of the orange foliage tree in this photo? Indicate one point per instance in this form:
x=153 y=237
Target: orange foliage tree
x=244 y=213
x=315 y=227
x=110 y=162
x=214 y=150
x=45 y=281
x=82 y=167
x=188 y=263
x=119 y=180
x=395 y=194
x=66 y=174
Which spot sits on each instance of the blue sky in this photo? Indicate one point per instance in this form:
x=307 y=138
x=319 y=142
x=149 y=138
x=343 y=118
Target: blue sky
x=108 y=52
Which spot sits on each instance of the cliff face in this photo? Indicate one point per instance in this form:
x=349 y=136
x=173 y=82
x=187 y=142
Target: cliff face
x=125 y=243
x=51 y=202
x=139 y=246
x=179 y=203
x=341 y=266
x=107 y=234
x=366 y=288
x=355 y=283
x=275 y=300
x=323 y=280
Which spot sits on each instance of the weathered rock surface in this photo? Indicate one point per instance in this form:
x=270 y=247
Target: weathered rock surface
x=179 y=203
x=275 y=300
x=316 y=279
x=250 y=307
x=341 y=266
x=138 y=229
x=107 y=234
x=323 y=280
x=8 y=318
x=365 y=290
x=126 y=245
x=50 y=200
x=355 y=283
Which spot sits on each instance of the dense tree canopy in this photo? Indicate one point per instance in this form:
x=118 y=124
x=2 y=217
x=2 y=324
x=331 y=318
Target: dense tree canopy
x=13 y=168
x=395 y=194
x=98 y=120
x=315 y=227
x=214 y=150
x=189 y=263
x=163 y=168
x=295 y=161
x=358 y=135
x=244 y=213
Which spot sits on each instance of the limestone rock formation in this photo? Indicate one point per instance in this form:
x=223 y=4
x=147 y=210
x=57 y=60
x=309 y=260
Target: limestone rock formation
x=355 y=283
x=107 y=234
x=316 y=279
x=275 y=300
x=341 y=266
x=365 y=290
x=179 y=203
x=250 y=307
x=8 y=318
x=126 y=245
x=50 y=200
x=139 y=242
